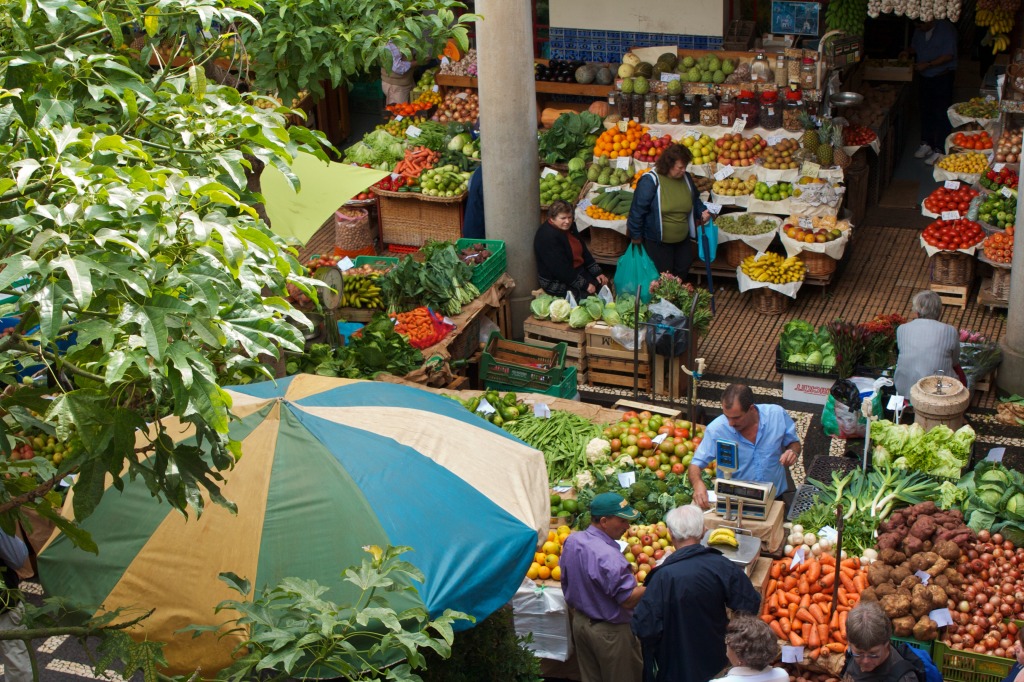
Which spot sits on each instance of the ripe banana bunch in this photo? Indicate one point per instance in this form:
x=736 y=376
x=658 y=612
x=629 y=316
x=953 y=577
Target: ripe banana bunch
x=1001 y=41
x=999 y=21
x=772 y=267
x=723 y=536
x=361 y=292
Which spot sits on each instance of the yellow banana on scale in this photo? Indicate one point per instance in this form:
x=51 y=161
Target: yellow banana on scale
x=723 y=536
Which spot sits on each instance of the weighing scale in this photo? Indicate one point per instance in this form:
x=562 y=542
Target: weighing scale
x=749 y=499
x=745 y=555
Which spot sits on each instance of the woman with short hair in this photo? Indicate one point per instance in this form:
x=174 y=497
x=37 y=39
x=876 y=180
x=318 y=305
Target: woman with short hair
x=752 y=648
x=925 y=345
x=564 y=263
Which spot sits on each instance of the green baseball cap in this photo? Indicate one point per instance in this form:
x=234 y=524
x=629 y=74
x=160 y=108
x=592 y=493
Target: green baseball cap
x=613 y=504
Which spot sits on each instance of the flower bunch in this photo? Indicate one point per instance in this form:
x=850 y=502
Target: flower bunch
x=849 y=340
x=968 y=336
x=880 y=346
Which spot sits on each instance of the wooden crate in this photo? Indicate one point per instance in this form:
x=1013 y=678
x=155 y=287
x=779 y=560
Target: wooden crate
x=950 y=294
x=609 y=363
x=548 y=333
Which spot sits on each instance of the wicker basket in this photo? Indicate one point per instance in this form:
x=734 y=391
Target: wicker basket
x=771 y=302
x=607 y=243
x=818 y=264
x=413 y=223
x=953 y=269
x=1001 y=283
x=346 y=235
x=735 y=251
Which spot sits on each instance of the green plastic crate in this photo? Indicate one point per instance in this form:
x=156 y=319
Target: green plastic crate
x=967 y=666
x=374 y=260
x=521 y=365
x=488 y=272
x=566 y=389
x=916 y=643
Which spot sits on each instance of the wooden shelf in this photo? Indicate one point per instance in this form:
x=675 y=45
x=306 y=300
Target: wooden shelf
x=546 y=87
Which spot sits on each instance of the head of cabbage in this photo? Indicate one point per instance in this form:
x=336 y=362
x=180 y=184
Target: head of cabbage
x=559 y=310
x=580 y=317
x=540 y=306
x=610 y=315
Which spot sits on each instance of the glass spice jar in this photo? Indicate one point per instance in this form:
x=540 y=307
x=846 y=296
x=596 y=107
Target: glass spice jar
x=691 y=110
x=675 y=112
x=770 y=111
x=625 y=101
x=781 y=71
x=760 y=69
x=650 y=113
x=661 y=109
x=727 y=109
x=809 y=74
x=747 y=108
x=636 y=108
x=792 y=110
x=709 y=110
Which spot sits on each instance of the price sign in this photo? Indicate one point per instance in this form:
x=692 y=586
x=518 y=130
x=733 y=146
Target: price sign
x=542 y=411
x=771 y=183
x=942 y=617
x=923 y=576
x=345 y=264
x=462 y=95
x=829 y=533
x=810 y=169
x=399 y=117
x=792 y=654
x=548 y=171
x=584 y=205
x=806 y=222
x=395 y=176
x=774 y=139
x=798 y=558
x=713 y=208
x=951 y=215
x=895 y=403
x=627 y=479
x=771 y=111
x=412 y=131
x=434 y=88
x=622 y=162
x=995 y=455
x=998 y=167
x=623 y=126
x=952 y=184
x=669 y=77
x=485 y=407
x=695 y=134
x=445 y=61
x=660 y=438
x=739 y=124
x=724 y=173
x=1006 y=192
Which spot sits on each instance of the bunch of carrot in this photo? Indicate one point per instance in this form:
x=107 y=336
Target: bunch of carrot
x=420 y=326
x=798 y=602
x=417 y=160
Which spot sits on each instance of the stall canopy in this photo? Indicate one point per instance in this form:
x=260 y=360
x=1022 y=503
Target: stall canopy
x=328 y=466
x=324 y=186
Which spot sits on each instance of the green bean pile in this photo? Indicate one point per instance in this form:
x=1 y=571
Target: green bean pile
x=562 y=438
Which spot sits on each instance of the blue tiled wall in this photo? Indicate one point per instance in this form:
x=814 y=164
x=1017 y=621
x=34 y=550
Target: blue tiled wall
x=609 y=46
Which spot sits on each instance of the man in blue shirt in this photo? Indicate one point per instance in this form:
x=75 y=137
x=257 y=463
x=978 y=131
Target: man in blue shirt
x=766 y=441
x=933 y=47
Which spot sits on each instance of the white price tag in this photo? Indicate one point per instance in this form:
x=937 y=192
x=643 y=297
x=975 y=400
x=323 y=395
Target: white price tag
x=995 y=455
x=774 y=139
x=622 y=162
x=412 y=131
x=548 y=171
x=771 y=111
x=895 y=403
x=798 y=558
x=695 y=134
x=713 y=208
x=942 y=617
x=660 y=438
x=435 y=88
x=739 y=124
x=712 y=498
x=669 y=77
x=542 y=411
x=771 y=183
x=445 y=61
x=627 y=478
x=923 y=576
x=951 y=215
x=485 y=407
x=399 y=117
x=1006 y=192
x=806 y=223
x=952 y=184
x=395 y=176
x=792 y=654
x=622 y=546
x=345 y=264
x=623 y=126
x=724 y=173
x=829 y=533
x=810 y=169
x=584 y=205
x=998 y=167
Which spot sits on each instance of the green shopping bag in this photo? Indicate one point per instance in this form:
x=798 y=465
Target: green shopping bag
x=635 y=269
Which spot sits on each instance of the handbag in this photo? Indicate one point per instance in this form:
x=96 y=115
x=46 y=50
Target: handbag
x=635 y=270
x=707 y=241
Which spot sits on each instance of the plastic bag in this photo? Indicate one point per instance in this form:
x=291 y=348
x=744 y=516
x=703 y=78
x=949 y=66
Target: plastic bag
x=624 y=336
x=606 y=295
x=707 y=241
x=634 y=270
x=669 y=336
x=839 y=421
x=572 y=300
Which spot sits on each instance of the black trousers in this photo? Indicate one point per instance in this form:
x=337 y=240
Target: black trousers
x=673 y=258
x=936 y=97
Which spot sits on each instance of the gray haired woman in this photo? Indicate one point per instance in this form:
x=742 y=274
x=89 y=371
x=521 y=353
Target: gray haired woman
x=926 y=346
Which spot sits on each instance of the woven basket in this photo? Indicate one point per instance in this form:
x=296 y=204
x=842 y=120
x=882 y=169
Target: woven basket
x=346 y=235
x=735 y=251
x=818 y=264
x=413 y=223
x=1001 y=283
x=771 y=302
x=607 y=243
x=953 y=269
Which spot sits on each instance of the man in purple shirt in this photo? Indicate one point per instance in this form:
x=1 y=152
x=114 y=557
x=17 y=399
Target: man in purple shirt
x=601 y=590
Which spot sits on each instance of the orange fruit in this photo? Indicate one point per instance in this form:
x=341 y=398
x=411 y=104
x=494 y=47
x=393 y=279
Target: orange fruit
x=551 y=560
x=533 y=571
x=556 y=573
x=539 y=557
x=550 y=547
x=543 y=572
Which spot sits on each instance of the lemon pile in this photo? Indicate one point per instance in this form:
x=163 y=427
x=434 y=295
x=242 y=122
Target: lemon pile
x=702 y=148
x=734 y=187
x=965 y=162
x=772 y=267
x=545 y=562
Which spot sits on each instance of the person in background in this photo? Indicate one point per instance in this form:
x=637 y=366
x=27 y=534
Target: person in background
x=1016 y=673
x=564 y=263
x=926 y=346
x=665 y=212
x=601 y=592
x=681 y=618
x=871 y=657
x=13 y=652
x=933 y=47
x=752 y=648
x=398 y=80
x=765 y=435
x=473 y=224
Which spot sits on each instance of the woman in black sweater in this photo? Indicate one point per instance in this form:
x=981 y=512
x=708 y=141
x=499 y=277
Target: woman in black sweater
x=564 y=263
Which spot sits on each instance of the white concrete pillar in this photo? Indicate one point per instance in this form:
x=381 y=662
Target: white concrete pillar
x=508 y=131
x=1011 y=372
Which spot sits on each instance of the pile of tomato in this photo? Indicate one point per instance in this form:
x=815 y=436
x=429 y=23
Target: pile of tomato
x=950 y=235
x=999 y=246
x=943 y=199
x=858 y=135
x=979 y=140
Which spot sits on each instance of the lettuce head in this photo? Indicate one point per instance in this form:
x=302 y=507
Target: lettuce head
x=541 y=306
x=559 y=310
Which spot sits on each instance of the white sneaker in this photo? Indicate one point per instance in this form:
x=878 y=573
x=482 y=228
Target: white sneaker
x=923 y=151
x=933 y=158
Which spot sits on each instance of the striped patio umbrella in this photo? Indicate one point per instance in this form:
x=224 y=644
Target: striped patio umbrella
x=328 y=466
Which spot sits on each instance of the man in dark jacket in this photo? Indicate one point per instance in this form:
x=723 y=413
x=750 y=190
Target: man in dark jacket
x=681 y=619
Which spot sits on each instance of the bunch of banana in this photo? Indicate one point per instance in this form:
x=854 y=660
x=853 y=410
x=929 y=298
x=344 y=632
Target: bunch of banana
x=1001 y=41
x=723 y=536
x=772 y=267
x=999 y=20
x=362 y=291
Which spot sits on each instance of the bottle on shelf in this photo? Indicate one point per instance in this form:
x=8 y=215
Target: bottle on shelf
x=747 y=108
x=770 y=110
x=809 y=74
x=760 y=69
x=709 y=110
x=727 y=109
x=792 y=110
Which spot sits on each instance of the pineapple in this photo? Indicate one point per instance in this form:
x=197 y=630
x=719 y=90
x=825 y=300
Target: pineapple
x=810 y=138
x=825 y=143
x=841 y=158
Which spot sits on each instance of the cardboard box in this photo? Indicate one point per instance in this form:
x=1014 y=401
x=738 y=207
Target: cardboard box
x=811 y=390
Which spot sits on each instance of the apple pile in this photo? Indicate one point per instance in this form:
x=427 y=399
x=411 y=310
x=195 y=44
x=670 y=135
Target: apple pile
x=943 y=199
x=810 y=235
x=951 y=235
x=858 y=135
x=650 y=148
x=736 y=150
x=1008 y=146
x=780 y=156
x=645 y=546
x=634 y=437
